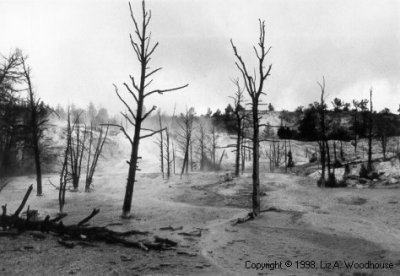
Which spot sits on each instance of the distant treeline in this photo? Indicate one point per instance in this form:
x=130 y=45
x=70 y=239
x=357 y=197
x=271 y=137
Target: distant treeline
x=344 y=121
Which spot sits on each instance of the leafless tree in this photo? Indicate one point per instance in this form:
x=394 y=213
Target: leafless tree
x=191 y=162
x=167 y=155
x=93 y=156
x=185 y=124
x=214 y=145
x=203 y=141
x=173 y=156
x=77 y=149
x=239 y=115
x=160 y=143
x=355 y=125
x=65 y=176
x=36 y=125
x=370 y=126
x=144 y=49
x=254 y=85
x=10 y=77
x=323 y=141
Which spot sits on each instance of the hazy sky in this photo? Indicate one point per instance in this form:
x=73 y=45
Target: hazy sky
x=78 y=49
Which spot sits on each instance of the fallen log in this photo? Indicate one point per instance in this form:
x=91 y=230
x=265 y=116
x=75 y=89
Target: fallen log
x=77 y=232
x=170 y=228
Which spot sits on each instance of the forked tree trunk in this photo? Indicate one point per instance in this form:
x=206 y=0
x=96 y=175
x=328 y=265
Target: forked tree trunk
x=143 y=51
x=92 y=163
x=34 y=127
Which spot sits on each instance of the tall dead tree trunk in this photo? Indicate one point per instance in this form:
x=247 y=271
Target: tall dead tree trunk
x=10 y=76
x=92 y=162
x=355 y=126
x=239 y=116
x=168 y=152
x=186 y=126
x=286 y=155
x=173 y=157
x=322 y=139
x=213 y=145
x=255 y=91
x=143 y=50
x=202 y=144
x=161 y=143
x=64 y=172
x=191 y=154
x=77 y=149
x=36 y=125
x=370 y=126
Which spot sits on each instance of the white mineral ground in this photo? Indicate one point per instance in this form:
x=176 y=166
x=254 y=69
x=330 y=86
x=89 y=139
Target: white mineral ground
x=316 y=224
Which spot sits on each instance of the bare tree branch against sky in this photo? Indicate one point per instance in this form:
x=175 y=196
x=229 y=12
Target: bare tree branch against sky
x=79 y=48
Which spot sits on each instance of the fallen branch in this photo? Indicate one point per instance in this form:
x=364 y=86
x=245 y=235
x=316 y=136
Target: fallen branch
x=77 y=232
x=21 y=206
x=94 y=212
x=133 y=232
x=170 y=228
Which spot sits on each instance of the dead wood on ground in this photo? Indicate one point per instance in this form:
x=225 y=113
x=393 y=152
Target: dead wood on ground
x=14 y=225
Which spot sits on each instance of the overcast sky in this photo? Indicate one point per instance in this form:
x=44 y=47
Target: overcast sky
x=78 y=49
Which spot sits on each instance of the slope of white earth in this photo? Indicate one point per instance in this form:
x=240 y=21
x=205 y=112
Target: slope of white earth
x=314 y=224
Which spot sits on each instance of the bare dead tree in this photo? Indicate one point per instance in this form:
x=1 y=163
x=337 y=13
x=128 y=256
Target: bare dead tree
x=169 y=145
x=160 y=143
x=214 y=145
x=239 y=113
x=93 y=156
x=322 y=140
x=203 y=141
x=77 y=149
x=168 y=152
x=255 y=90
x=65 y=176
x=37 y=124
x=355 y=125
x=185 y=124
x=173 y=156
x=144 y=49
x=191 y=162
x=10 y=78
x=370 y=126
x=245 y=142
